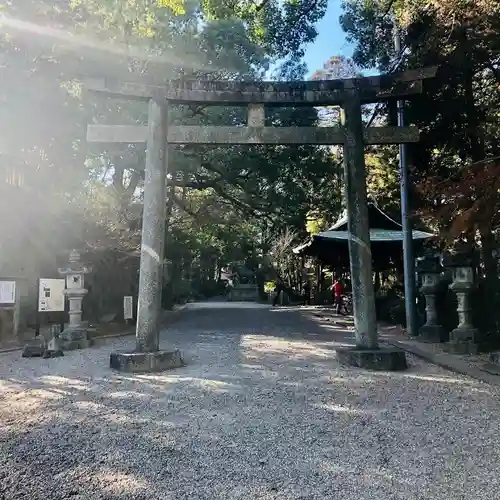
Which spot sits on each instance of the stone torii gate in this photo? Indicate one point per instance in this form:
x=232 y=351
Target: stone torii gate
x=349 y=94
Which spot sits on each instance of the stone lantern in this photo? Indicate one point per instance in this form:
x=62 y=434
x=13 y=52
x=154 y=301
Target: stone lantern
x=75 y=335
x=430 y=269
x=461 y=261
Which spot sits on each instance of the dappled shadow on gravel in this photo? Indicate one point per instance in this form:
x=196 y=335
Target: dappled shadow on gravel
x=261 y=411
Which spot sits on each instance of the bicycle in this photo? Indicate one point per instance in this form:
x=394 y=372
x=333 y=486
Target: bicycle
x=347 y=304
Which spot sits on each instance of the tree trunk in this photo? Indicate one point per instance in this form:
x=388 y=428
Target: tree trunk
x=489 y=261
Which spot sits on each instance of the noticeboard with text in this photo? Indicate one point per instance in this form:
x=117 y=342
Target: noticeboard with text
x=51 y=295
x=128 y=303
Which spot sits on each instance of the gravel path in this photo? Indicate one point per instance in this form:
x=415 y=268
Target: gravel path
x=262 y=411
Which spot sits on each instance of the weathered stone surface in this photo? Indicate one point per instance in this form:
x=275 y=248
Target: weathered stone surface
x=39 y=348
x=460 y=346
x=52 y=353
x=308 y=93
x=256 y=115
x=153 y=230
x=54 y=348
x=186 y=134
x=74 y=273
x=432 y=333
x=495 y=357
x=360 y=256
x=34 y=348
x=462 y=338
x=75 y=338
x=143 y=362
x=383 y=358
x=493 y=365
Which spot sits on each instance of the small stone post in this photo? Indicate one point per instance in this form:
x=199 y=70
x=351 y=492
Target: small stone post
x=430 y=270
x=462 y=338
x=147 y=357
x=367 y=353
x=75 y=335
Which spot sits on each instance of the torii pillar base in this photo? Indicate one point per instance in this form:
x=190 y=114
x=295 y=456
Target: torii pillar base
x=379 y=359
x=145 y=362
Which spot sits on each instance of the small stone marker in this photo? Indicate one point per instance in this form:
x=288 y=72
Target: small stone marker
x=53 y=348
x=495 y=358
x=35 y=348
x=39 y=348
x=493 y=366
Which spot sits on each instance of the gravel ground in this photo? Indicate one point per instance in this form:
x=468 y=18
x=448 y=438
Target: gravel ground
x=262 y=411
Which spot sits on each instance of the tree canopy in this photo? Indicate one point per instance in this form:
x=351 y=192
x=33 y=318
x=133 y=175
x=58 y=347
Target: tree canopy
x=455 y=165
x=224 y=203
x=458 y=111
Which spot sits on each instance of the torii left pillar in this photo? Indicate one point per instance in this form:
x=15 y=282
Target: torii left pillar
x=147 y=356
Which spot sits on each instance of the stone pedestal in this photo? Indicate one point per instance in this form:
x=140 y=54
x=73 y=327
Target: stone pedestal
x=462 y=338
x=382 y=359
x=430 y=269
x=75 y=338
x=75 y=335
x=144 y=362
x=40 y=348
x=493 y=365
x=54 y=348
x=34 y=348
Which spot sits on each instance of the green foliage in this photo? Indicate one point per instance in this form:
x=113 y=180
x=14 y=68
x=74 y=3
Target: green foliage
x=455 y=165
x=225 y=204
x=382 y=180
x=315 y=223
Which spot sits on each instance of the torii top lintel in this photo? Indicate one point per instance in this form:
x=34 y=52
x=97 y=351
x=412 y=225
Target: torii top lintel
x=298 y=93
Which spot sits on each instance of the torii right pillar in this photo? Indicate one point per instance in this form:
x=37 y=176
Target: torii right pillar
x=367 y=353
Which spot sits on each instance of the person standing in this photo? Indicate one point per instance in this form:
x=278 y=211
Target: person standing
x=280 y=287
x=337 y=295
x=307 y=293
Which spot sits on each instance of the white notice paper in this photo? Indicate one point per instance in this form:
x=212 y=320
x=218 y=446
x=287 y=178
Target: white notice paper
x=51 y=295
x=128 y=307
x=7 y=292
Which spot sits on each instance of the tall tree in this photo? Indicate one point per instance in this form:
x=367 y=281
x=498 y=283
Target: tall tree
x=457 y=113
x=269 y=188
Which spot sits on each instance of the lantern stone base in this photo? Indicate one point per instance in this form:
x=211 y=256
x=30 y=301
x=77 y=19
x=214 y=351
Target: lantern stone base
x=38 y=348
x=462 y=342
x=431 y=333
x=382 y=359
x=495 y=358
x=493 y=366
x=35 y=348
x=75 y=338
x=144 y=362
